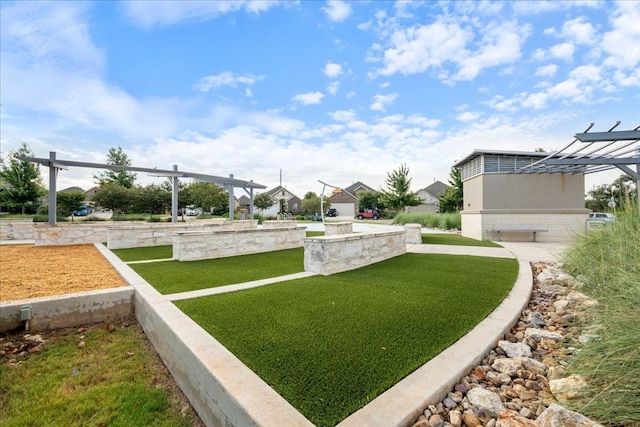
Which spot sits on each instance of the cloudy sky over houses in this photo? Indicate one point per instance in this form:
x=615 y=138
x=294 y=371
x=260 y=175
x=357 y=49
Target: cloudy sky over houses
x=334 y=91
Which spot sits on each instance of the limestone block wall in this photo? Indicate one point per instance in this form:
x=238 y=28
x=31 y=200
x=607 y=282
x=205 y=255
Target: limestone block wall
x=337 y=228
x=334 y=254
x=414 y=234
x=561 y=226
x=279 y=224
x=194 y=245
x=16 y=229
x=156 y=234
x=69 y=233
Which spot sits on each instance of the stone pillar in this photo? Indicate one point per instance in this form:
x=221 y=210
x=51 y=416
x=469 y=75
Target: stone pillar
x=414 y=234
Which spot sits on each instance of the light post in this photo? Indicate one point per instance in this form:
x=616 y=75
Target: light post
x=324 y=185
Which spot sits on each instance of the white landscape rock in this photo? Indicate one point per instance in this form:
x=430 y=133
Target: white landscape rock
x=485 y=401
x=518 y=349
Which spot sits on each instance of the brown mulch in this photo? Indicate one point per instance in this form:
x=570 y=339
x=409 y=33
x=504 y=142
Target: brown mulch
x=28 y=271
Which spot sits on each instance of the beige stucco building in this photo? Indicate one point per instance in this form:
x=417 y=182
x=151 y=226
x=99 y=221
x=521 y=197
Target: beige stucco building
x=504 y=199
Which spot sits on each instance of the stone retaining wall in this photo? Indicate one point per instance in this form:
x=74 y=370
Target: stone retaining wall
x=337 y=228
x=16 y=229
x=414 y=234
x=194 y=245
x=154 y=234
x=131 y=232
x=334 y=254
x=268 y=225
x=69 y=310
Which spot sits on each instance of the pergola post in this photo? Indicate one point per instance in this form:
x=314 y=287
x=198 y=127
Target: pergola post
x=231 y=198
x=251 y=202
x=174 y=196
x=53 y=175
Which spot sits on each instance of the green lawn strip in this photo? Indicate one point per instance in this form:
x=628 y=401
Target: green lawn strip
x=455 y=239
x=170 y=277
x=315 y=233
x=330 y=344
x=144 y=253
x=115 y=380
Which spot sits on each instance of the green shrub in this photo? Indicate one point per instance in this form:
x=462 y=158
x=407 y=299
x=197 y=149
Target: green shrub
x=445 y=221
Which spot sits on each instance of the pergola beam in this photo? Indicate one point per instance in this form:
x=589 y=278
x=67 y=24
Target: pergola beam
x=173 y=175
x=621 y=135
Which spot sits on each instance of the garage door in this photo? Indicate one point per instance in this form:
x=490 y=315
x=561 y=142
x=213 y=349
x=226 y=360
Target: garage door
x=344 y=209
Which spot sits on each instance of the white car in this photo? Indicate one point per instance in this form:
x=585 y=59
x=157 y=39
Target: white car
x=601 y=217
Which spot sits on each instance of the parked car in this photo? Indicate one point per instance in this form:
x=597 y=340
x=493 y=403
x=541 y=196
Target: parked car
x=601 y=217
x=332 y=212
x=369 y=213
x=83 y=211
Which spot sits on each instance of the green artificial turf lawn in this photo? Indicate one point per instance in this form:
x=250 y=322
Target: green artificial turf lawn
x=455 y=239
x=144 y=253
x=330 y=344
x=170 y=277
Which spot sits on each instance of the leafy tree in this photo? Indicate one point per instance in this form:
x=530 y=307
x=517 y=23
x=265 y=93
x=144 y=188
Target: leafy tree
x=452 y=199
x=117 y=156
x=621 y=190
x=208 y=196
x=263 y=201
x=153 y=199
x=368 y=200
x=114 y=197
x=311 y=203
x=67 y=202
x=20 y=180
x=397 y=196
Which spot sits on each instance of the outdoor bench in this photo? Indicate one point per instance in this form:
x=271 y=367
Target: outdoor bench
x=534 y=231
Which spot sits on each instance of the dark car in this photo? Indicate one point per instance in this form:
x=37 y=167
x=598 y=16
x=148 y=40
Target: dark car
x=332 y=212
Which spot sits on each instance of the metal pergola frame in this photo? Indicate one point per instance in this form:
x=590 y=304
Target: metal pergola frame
x=228 y=184
x=620 y=150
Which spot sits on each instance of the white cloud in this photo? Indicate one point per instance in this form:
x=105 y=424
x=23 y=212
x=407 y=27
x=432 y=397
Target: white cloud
x=415 y=49
x=332 y=88
x=500 y=45
x=226 y=78
x=152 y=13
x=343 y=115
x=586 y=73
x=468 y=116
x=535 y=100
x=309 y=98
x=332 y=70
x=547 y=71
x=337 y=10
x=563 y=51
x=381 y=101
x=622 y=43
x=579 y=31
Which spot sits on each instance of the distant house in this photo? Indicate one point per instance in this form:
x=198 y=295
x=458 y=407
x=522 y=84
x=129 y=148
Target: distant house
x=345 y=200
x=285 y=201
x=430 y=197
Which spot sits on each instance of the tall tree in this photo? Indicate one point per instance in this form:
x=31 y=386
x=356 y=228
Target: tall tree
x=208 y=196
x=263 y=201
x=114 y=197
x=397 y=195
x=117 y=157
x=368 y=200
x=452 y=199
x=621 y=191
x=21 y=183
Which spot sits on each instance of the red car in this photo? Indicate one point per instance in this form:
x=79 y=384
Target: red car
x=369 y=213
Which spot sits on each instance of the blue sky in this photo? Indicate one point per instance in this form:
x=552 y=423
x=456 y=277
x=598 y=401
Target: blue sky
x=333 y=91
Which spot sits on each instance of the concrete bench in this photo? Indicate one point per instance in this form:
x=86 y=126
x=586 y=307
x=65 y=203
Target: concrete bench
x=534 y=231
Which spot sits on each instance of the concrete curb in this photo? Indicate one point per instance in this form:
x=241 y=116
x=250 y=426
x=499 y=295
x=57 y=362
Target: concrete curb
x=404 y=402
